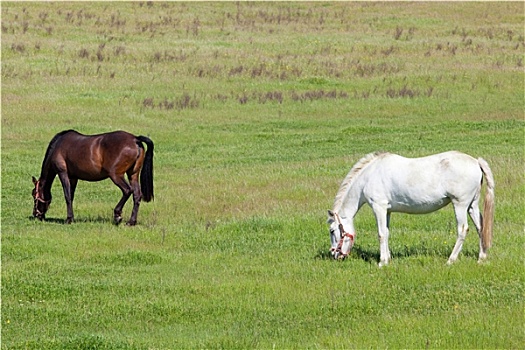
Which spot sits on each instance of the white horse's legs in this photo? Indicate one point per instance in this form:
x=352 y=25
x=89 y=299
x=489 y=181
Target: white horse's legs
x=477 y=218
x=383 y=223
x=461 y=218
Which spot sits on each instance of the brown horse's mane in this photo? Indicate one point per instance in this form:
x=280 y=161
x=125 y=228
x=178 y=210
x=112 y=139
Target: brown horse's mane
x=51 y=148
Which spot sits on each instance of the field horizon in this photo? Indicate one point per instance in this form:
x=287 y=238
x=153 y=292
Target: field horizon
x=258 y=111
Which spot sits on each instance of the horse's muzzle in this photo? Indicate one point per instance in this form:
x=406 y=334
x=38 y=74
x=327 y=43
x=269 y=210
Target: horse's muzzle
x=337 y=254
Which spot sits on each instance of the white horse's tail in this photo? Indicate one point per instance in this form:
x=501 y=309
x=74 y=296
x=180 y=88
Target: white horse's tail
x=488 y=206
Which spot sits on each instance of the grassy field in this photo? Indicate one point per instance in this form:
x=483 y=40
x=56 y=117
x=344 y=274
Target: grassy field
x=258 y=111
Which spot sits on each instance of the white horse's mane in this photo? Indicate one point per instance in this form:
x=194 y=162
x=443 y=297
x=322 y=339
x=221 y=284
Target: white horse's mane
x=352 y=175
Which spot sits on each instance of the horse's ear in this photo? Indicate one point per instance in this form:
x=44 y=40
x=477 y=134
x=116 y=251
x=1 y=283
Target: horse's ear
x=34 y=180
x=331 y=217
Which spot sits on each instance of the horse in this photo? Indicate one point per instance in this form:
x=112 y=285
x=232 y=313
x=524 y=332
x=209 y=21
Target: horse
x=73 y=156
x=391 y=183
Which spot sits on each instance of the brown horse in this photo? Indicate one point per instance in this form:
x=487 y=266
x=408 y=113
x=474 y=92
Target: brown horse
x=73 y=156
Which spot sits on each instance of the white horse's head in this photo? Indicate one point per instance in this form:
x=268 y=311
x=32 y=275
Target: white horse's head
x=342 y=241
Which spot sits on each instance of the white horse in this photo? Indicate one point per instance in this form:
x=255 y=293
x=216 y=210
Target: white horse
x=391 y=183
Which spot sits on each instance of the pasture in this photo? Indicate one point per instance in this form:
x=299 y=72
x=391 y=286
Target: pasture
x=258 y=111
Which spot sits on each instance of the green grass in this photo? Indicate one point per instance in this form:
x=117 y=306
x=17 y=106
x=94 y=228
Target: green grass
x=258 y=111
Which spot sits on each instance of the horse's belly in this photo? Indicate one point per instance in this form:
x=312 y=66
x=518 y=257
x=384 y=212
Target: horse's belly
x=91 y=178
x=418 y=207
x=94 y=172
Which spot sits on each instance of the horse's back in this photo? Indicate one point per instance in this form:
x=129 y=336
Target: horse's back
x=117 y=141
x=433 y=168
x=423 y=184
x=110 y=142
x=452 y=166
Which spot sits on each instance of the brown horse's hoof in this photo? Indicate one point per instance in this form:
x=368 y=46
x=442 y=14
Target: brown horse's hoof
x=117 y=220
x=69 y=221
x=131 y=223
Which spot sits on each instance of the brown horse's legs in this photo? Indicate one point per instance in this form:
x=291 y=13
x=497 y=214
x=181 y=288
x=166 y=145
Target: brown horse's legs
x=73 y=183
x=126 y=193
x=137 y=196
x=68 y=194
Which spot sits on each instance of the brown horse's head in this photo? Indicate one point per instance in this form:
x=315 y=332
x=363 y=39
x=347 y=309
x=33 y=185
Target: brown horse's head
x=41 y=205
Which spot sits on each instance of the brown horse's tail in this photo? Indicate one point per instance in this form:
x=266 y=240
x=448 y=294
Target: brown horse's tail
x=146 y=174
x=488 y=207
